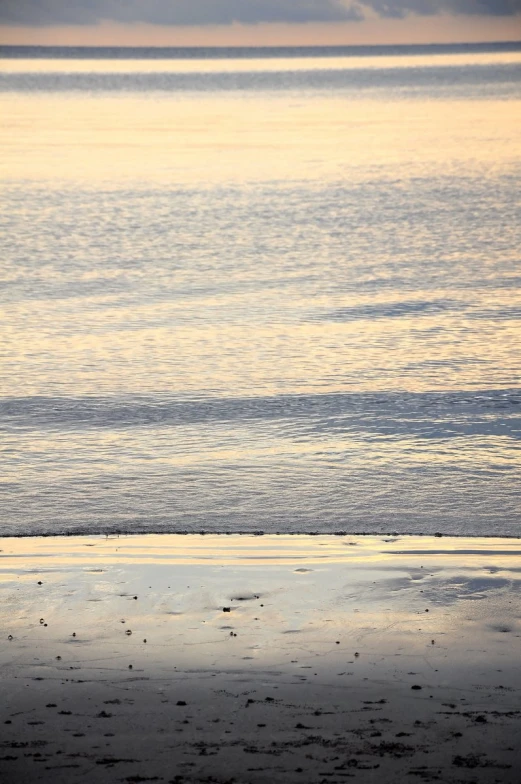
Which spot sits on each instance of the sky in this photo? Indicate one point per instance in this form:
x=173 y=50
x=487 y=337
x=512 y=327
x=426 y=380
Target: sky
x=256 y=22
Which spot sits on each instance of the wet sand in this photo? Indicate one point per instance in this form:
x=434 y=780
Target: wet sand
x=260 y=659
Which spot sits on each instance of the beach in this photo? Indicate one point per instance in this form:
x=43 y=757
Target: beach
x=208 y=658
x=254 y=298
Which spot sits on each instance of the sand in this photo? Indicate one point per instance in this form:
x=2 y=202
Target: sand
x=260 y=659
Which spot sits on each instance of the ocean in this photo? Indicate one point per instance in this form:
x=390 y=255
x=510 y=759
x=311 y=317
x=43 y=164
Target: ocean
x=267 y=290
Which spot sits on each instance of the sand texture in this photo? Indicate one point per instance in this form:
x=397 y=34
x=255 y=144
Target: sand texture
x=256 y=659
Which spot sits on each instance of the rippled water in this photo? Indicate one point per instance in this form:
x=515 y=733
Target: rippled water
x=261 y=293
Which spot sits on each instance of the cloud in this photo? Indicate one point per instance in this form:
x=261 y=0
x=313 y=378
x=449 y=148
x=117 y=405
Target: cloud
x=401 y=8
x=225 y=12
x=175 y=12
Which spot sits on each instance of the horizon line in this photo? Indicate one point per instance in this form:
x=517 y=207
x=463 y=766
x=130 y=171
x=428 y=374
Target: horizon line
x=433 y=44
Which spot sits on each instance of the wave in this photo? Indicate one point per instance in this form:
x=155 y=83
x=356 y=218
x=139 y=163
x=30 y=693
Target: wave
x=439 y=414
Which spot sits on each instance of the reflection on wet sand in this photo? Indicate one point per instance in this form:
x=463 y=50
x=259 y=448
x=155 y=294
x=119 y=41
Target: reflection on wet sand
x=323 y=654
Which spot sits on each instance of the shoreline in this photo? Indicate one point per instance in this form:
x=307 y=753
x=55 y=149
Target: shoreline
x=247 y=659
x=328 y=534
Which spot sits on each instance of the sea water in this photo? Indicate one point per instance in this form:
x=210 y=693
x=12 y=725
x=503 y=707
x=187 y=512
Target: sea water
x=260 y=290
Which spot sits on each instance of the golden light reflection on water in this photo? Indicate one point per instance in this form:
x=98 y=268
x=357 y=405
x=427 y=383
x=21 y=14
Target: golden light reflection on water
x=253 y=448
x=192 y=139
x=181 y=136
x=259 y=359
x=255 y=64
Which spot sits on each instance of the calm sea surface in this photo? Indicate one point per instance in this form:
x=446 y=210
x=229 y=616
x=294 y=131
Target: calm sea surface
x=272 y=291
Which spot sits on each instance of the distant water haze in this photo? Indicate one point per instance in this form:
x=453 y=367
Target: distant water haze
x=277 y=291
